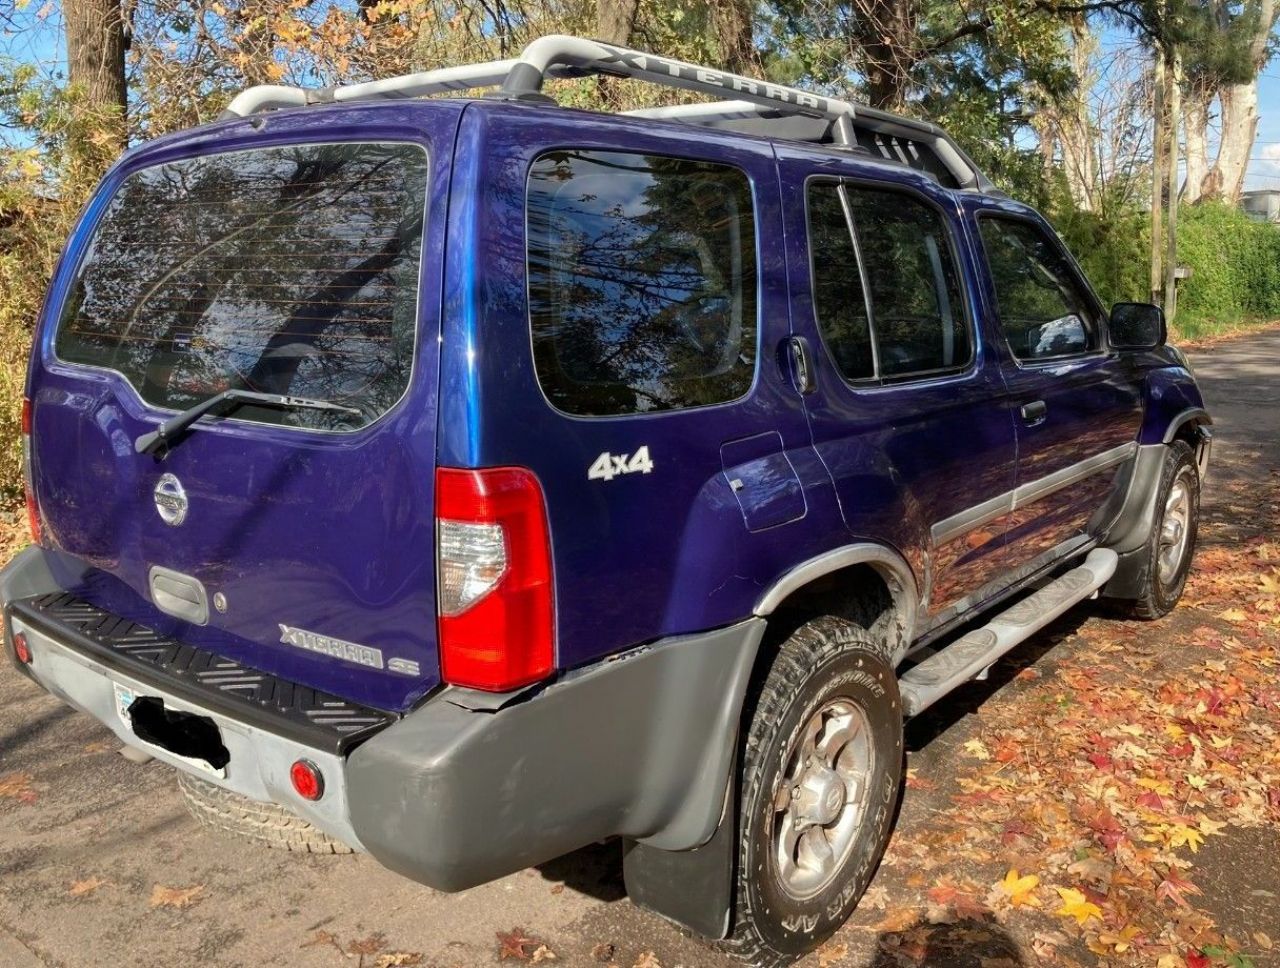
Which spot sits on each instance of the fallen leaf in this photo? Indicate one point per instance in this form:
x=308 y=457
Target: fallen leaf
x=1180 y=835
x=1175 y=889
x=1076 y=905
x=603 y=952
x=516 y=944
x=367 y=946
x=398 y=959
x=1019 y=890
x=175 y=897
x=647 y=959
x=17 y=786
x=1263 y=940
x=978 y=749
x=831 y=953
x=542 y=953
x=87 y=886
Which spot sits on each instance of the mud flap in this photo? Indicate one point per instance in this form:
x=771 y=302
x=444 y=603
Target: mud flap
x=693 y=888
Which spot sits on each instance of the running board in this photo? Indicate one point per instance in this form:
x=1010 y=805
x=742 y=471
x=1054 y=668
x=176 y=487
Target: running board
x=972 y=654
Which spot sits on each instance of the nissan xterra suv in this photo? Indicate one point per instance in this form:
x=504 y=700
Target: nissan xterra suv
x=474 y=478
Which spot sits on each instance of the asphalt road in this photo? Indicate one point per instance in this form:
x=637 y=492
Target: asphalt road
x=87 y=837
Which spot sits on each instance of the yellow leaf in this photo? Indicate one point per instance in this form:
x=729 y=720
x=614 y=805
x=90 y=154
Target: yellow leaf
x=1020 y=890
x=1210 y=827
x=975 y=747
x=1156 y=786
x=1076 y=905
x=1180 y=835
x=1175 y=731
x=1120 y=940
x=1233 y=615
x=1197 y=782
x=1219 y=742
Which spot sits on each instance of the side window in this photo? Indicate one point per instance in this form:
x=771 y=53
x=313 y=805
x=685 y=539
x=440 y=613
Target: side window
x=1043 y=311
x=642 y=281
x=838 y=298
x=917 y=311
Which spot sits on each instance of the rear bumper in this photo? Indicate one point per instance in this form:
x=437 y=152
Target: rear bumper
x=462 y=790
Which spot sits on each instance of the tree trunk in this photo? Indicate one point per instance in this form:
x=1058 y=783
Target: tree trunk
x=888 y=41
x=1173 y=95
x=1239 y=128
x=1158 y=162
x=615 y=20
x=1240 y=117
x=1195 y=121
x=95 y=64
x=1076 y=130
x=733 y=25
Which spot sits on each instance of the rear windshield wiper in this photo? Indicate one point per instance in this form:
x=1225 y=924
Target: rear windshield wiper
x=172 y=429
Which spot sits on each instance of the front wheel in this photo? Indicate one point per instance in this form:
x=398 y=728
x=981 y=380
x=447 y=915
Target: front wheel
x=1172 y=541
x=822 y=767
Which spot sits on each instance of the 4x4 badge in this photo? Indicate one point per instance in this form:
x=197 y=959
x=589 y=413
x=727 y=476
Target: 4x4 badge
x=171 y=500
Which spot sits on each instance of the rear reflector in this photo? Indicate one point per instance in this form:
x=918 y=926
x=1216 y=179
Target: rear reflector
x=493 y=567
x=307 y=780
x=28 y=477
x=21 y=649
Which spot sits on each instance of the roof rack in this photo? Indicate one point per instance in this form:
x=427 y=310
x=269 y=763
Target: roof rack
x=745 y=103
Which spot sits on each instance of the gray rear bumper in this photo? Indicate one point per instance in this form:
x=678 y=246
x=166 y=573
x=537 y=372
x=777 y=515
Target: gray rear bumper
x=459 y=792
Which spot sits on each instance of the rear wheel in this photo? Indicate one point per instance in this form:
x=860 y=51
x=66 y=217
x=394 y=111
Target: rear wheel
x=821 y=771
x=1172 y=541
x=267 y=824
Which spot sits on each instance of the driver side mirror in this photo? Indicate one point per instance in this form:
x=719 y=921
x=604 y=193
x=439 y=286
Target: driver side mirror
x=1137 y=326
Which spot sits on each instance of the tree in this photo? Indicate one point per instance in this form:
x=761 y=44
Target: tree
x=96 y=43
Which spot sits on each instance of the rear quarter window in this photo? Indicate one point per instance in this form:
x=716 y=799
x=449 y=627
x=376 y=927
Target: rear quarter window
x=290 y=270
x=642 y=281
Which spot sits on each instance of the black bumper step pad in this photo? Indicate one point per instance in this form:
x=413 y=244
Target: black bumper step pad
x=202 y=678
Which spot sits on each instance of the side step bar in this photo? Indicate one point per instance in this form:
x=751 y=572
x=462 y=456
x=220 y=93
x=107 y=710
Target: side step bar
x=969 y=655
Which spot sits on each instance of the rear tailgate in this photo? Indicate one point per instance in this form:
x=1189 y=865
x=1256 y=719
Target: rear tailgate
x=288 y=261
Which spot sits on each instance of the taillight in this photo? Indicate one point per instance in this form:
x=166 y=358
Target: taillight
x=495 y=593
x=28 y=478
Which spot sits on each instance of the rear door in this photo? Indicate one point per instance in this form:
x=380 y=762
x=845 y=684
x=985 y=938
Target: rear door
x=286 y=262
x=907 y=411
x=1076 y=404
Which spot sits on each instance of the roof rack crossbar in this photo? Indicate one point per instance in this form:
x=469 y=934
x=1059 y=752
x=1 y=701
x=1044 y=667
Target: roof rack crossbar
x=739 y=97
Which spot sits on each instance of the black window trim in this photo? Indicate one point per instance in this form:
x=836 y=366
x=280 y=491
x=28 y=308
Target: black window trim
x=191 y=153
x=1041 y=225
x=876 y=381
x=750 y=391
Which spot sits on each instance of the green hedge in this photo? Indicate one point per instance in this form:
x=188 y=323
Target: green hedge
x=1235 y=267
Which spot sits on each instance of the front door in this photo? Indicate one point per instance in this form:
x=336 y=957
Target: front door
x=1076 y=407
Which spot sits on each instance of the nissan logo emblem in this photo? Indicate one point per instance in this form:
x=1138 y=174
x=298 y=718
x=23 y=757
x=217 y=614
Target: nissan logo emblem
x=171 y=500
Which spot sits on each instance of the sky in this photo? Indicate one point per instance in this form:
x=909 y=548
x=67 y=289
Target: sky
x=39 y=43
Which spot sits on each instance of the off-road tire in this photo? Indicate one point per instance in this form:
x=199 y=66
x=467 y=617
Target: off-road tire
x=1157 y=598
x=825 y=659
x=267 y=824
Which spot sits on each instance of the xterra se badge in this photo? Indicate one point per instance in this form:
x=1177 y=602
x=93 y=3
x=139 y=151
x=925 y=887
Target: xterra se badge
x=346 y=651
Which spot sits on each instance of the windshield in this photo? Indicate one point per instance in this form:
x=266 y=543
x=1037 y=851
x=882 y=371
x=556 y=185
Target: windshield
x=288 y=270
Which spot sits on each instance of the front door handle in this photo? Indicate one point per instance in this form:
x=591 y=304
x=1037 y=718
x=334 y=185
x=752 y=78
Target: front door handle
x=1034 y=412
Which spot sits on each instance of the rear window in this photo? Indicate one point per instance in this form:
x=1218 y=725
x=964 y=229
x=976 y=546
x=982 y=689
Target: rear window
x=642 y=281
x=288 y=270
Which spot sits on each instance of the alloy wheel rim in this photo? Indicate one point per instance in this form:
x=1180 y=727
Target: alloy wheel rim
x=1175 y=531
x=821 y=797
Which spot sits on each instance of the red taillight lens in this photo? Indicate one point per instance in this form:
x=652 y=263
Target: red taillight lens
x=493 y=573
x=21 y=649
x=28 y=478
x=307 y=780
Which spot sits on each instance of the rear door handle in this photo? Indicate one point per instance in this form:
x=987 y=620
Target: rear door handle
x=1034 y=412
x=801 y=364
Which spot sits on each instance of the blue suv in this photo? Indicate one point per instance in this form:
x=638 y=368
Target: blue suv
x=467 y=479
